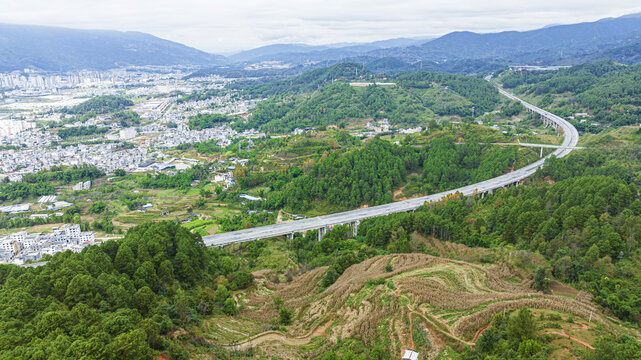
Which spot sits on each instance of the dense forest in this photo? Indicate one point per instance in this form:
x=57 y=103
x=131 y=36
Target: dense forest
x=610 y=92
x=67 y=133
x=20 y=190
x=206 y=121
x=127 y=118
x=118 y=300
x=200 y=95
x=100 y=105
x=64 y=175
x=369 y=175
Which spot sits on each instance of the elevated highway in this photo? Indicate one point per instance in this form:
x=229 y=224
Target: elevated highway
x=545 y=146
x=353 y=217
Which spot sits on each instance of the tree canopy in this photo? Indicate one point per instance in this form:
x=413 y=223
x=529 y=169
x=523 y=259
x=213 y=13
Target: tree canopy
x=113 y=301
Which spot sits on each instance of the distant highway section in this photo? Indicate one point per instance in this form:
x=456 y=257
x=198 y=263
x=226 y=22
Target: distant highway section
x=546 y=146
x=353 y=217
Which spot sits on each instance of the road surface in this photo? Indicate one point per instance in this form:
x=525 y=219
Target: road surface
x=547 y=146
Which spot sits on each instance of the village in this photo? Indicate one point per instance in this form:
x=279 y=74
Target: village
x=21 y=247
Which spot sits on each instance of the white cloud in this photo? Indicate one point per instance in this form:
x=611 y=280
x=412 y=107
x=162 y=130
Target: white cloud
x=231 y=25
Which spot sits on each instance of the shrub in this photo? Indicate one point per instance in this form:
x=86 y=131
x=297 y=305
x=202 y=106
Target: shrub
x=284 y=316
x=230 y=307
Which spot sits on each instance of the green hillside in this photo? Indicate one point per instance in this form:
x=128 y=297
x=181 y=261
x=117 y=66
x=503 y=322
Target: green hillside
x=413 y=99
x=609 y=92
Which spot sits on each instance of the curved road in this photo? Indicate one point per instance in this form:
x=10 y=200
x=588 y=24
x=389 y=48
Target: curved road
x=571 y=137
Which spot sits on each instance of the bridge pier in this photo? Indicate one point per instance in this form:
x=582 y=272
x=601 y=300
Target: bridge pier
x=549 y=122
x=290 y=236
x=321 y=232
x=353 y=227
x=486 y=193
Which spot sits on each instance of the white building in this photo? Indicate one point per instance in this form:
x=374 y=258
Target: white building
x=410 y=355
x=19 y=236
x=127 y=133
x=87 y=236
x=72 y=231
x=6 y=245
x=82 y=186
x=30 y=240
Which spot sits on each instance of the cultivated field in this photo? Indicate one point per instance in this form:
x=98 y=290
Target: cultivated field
x=425 y=302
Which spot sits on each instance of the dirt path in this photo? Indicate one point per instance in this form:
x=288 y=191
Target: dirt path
x=571 y=338
x=279 y=337
x=411 y=339
x=448 y=333
x=582 y=326
x=232 y=330
x=431 y=325
x=479 y=332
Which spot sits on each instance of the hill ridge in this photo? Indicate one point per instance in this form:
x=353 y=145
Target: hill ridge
x=62 y=49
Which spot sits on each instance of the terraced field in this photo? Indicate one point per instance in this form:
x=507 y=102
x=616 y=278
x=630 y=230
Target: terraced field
x=425 y=302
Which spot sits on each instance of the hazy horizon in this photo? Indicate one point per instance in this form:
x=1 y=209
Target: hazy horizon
x=227 y=28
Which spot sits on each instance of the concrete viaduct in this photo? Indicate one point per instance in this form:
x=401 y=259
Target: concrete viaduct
x=354 y=217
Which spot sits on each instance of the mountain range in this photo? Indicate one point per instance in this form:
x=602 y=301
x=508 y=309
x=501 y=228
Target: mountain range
x=303 y=52
x=541 y=45
x=61 y=49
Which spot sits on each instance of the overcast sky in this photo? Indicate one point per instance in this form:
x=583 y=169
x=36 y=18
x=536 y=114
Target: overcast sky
x=232 y=25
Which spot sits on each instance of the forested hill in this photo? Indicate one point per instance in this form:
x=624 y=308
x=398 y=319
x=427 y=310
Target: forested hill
x=413 y=99
x=370 y=175
x=609 y=92
x=118 y=300
x=627 y=54
x=308 y=81
x=61 y=49
x=547 y=45
x=100 y=105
